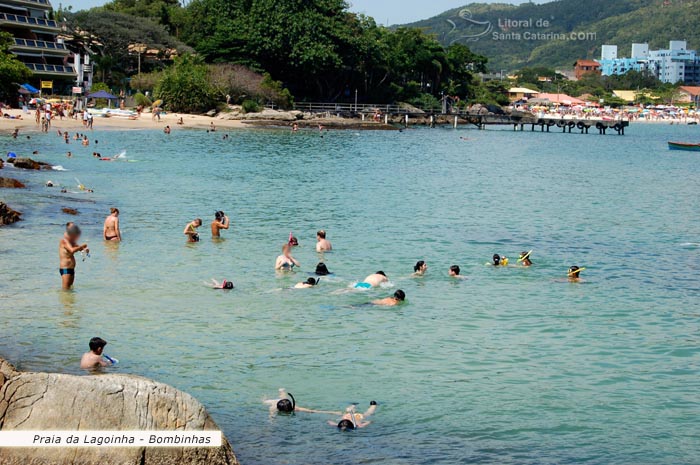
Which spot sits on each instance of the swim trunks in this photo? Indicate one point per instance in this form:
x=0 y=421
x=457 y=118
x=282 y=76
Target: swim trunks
x=68 y=271
x=110 y=238
x=363 y=286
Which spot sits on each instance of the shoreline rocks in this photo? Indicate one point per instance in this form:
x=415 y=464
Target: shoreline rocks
x=8 y=215
x=50 y=401
x=29 y=164
x=9 y=183
x=70 y=211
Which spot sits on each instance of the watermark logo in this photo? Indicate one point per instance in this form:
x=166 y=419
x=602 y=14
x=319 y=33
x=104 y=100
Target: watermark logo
x=470 y=30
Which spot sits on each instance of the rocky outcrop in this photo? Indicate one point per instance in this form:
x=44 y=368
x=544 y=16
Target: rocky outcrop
x=10 y=183
x=2 y=164
x=70 y=211
x=47 y=401
x=8 y=215
x=29 y=164
x=266 y=115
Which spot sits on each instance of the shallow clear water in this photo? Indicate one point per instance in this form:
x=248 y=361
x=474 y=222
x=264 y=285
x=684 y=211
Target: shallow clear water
x=510 y=366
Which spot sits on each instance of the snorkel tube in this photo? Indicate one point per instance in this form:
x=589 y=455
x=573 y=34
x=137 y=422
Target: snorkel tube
x=524 y=257
x=294 y=402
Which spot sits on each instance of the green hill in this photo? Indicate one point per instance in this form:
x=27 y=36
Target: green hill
x=531 y=34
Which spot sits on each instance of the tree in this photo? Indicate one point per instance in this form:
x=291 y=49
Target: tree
x=185 y=87
x=12 y=71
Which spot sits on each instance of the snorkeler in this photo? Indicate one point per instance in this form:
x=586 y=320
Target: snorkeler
x=110 y=230
x=286 y=403
x=352 y=420
x=220 y=222
x=420 y=268
x=322 y=270
x=398 y=298
x=286 y=262
x=454 y=272
x=67 y=248
x=309 y=283
x=225 y=285
x=323 y=244
x=293 y=241
x=373 y=280
x=499 y=261
x=191 y=230
x=575 y=274
x=524 y=259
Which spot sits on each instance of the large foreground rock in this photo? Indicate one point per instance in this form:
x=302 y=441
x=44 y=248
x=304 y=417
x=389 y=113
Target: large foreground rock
x=10 y=183
x=8 y=215
x=29 y=164
x=45 y=401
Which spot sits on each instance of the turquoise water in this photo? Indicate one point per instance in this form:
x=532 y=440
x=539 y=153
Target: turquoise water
x=509 y=366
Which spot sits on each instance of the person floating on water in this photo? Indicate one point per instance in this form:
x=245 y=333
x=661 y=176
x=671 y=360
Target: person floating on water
x=308 y=284
x=286 y=404
x=352 y=420
x=95 y=358
x=323 y=244
x=322 y=270
x=373 y=280
x=220 y=222
x=191 y=230
x=454 y=272
x=67 y=248
x=499 y=261
x=111 y=230
x=286 y=262
x=524 y=259
x=420 y=268
x=398 y=298
x=225 y=285
x=575 y=274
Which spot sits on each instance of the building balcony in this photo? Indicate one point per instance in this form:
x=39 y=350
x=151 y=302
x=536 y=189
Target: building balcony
x=42 y=4
x=51 y=70
x=28 y=21
x=29 y=45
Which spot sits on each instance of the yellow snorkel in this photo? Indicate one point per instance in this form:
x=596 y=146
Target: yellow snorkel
x=575 y=273
x=524 y=257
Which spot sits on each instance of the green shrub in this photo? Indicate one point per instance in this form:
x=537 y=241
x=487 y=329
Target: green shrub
x=185 y=86
x=141 y=99
x=250 y=106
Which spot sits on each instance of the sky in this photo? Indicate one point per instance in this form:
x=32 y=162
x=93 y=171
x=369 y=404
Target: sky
x=383 y=11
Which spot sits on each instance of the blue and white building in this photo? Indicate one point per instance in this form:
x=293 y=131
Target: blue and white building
x=672 y=65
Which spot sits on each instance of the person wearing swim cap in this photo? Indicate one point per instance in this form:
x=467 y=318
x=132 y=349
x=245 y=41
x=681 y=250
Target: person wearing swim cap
x=352 y=420
x=220 y=222
x=398 y=298
x=286 y=404
x=309 y=283
x=94 y=358
x=286 y=262
x=420 y=268
x=525 y=259
x=191 y=230
x=499 y=261
x=323 y=244
x=575 y=274
x=67 y=248
x=373 y=280
x=454 y=272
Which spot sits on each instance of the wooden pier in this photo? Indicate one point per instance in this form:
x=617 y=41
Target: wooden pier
x=397 y=114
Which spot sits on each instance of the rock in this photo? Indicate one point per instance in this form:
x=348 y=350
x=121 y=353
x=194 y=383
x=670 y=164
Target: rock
x=1 y=164
x=10 y=183
x=211 y=113
x=271 y=115
x=48 y=401
x=70 y=211
x=8 y=215
x=29 y=164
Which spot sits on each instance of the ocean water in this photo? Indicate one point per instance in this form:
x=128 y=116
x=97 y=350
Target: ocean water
x=512 y=366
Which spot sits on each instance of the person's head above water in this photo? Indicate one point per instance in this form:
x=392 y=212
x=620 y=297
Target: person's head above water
x=321 y=234
x=381 y=273
x=293 y=241
x=575 y=272
x=496 y=259
x=219 y=215
x=322 y=270
x=420 y=266
x=227 y=285
x=454 y=270
x=525 y=258
x=114 y=211
x=198 y=221
x=400 y=295
x=97 y=344
x=346 y=424
x=312 y=281
x=286 y=405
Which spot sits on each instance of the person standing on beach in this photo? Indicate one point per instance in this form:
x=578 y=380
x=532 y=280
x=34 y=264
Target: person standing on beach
x=323 y=244
x=220 y=222
x=191 y=230
x=111 y=231
x=67 y=248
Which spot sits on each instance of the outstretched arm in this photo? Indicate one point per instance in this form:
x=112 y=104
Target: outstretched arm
x=325 y=412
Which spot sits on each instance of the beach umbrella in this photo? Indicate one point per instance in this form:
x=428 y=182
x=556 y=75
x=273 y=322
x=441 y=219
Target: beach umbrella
x=30 y=88
x=36 y=101
x=157 y=103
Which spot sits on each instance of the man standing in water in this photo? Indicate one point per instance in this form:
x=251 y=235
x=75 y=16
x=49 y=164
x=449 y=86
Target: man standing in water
x=111 y=231
x=323 y=244
x=220 y=222
x=67 y=248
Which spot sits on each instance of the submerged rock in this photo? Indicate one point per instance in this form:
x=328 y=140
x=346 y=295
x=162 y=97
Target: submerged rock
x=29 y=164
x=10 y=183
x=8 y=216
x=70 y=211
x=48 y=401
x=2 y=164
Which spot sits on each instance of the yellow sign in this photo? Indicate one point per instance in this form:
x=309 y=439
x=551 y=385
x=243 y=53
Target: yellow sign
x=47 y=84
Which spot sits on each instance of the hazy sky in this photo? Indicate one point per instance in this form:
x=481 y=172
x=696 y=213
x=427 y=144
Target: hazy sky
x=384 y=11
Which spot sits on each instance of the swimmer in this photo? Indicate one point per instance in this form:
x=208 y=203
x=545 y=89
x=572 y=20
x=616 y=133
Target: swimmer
x=293 y=241
x=220 y=222
x=524 y=259
x=166 y=130
x=323 y=244
x=85 y=141
x=373 y=280
x=191 y=230
x=499 y=261
x=398 y=298
x=94 y=358
x=454 y=272
x=110 y=230
x=308 y=284
x=50 y=184
x=225 y=285
x=322 y=270
x=67 y=248
x=352 y=420
x=575 y=274
x=286 y=403
x=286 y=262
x=295 y=127
x=69 y=155
x=420 y=268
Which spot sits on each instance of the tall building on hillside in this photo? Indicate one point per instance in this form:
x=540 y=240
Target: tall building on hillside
x=673 y=65
x=36 y=41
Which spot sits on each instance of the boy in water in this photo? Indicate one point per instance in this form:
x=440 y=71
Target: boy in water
x=111 y=231
x=191 y=230
x=67 y=248
x=398 y=297
x=454 y=272
x=94 y=358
